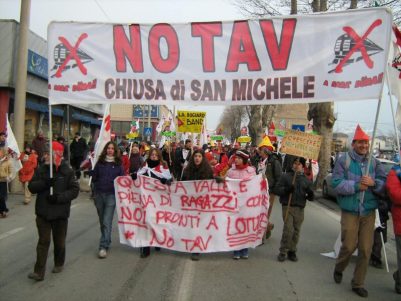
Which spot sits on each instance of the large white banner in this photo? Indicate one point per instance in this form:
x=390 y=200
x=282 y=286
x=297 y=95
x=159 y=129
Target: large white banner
x=192 y=216
x=293 y=59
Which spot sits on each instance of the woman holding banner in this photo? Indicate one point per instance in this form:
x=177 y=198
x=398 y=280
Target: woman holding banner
x=107 y=168
x=198 y=168
x=241 y=170
x=156 y=168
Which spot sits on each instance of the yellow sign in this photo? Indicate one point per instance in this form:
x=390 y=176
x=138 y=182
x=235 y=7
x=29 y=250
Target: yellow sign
x=244 y=139
x=190 y=121
x=301 y=144
x=132 y=135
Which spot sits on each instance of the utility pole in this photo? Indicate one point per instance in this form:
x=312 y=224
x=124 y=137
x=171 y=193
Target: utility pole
x=22 y=63
x=20 y=84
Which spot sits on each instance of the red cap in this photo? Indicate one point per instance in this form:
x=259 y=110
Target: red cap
x=271 y=126
x=360 y=134
x=57 y=146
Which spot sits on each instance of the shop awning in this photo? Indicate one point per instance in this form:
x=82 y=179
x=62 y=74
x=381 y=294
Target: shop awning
x=43 y=108
x=87 y=119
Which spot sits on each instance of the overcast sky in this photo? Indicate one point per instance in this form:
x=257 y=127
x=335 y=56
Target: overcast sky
x=176 y=11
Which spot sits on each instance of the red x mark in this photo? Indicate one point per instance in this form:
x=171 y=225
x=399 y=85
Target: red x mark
x=73 y=54
x=358 y=45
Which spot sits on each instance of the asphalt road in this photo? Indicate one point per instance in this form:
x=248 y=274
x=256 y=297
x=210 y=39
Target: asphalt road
x=168 y=275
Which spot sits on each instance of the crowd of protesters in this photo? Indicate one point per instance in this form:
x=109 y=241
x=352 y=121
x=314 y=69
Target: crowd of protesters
x=290 y=179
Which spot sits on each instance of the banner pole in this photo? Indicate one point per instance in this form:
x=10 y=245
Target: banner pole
x=130 y=149
x=51 y=146
x=393 y=115
x=370 y=155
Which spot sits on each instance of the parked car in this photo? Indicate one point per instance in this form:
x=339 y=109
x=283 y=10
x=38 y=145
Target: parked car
x=328 y=190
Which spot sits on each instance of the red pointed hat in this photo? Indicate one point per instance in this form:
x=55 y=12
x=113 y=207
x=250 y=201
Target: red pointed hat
x=360 y=134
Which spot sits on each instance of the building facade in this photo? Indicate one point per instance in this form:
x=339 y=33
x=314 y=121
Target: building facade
x=122 y=115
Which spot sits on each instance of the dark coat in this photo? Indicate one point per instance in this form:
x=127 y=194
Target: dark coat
x=78 y=148
x=103 y=176
x=136 y=162
x=179 y=160
x=39 y=145
x=65 y=186
x=302 y=189
x=273 y=172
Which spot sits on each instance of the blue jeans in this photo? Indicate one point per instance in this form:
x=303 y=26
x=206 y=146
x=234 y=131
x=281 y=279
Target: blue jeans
x=105 y=205
x=242 y=252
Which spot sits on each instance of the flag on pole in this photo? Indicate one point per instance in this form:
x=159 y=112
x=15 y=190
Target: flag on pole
x=13 y=150
x=170 y=118
x=163 y=140
x=159 y=127
x=203 y=137
x=394 y=71
x=104 y=136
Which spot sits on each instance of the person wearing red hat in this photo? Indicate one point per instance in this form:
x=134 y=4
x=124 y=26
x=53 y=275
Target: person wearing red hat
x=357 y=200
x=241 y=170
x=52 y=209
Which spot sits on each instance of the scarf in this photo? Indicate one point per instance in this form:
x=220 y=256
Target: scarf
x=109 y=158
x=152 y=163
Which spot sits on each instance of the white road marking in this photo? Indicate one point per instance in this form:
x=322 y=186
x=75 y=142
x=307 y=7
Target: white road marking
x=184 y=291
x=73 y=206
x=11 y=232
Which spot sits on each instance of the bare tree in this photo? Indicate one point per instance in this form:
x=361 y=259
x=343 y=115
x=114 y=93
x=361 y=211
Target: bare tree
x=231 y=120
x=259 y=118
x=265 y=8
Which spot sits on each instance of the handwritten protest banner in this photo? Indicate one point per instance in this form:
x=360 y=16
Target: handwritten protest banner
x=301 y=144
x=277 y=60
x=190 y=121
x=192 y=216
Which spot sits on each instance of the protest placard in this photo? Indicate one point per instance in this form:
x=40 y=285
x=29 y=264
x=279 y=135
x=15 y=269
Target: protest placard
x=190 y=121
x=301 y=144
x=192 y=216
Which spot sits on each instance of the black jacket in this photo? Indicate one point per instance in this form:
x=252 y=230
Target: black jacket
x=179 y=159
x=78 y=148
x=65 y=187
x=302 y=189
x=273 y=172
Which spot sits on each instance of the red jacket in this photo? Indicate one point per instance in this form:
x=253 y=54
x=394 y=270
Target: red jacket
x=393 y=186
x=29 y=163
